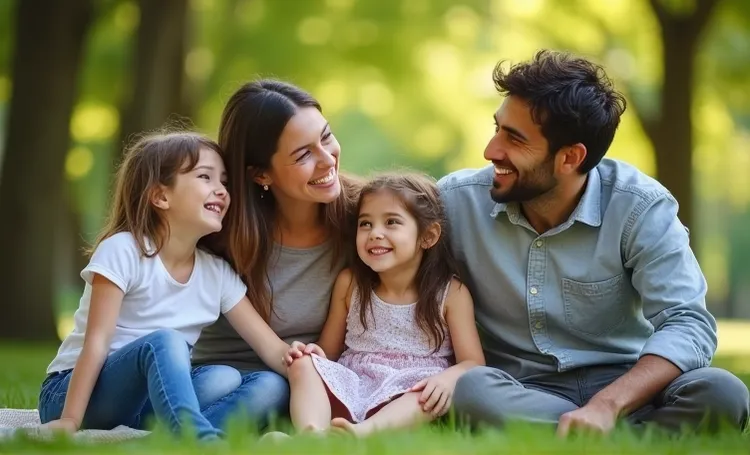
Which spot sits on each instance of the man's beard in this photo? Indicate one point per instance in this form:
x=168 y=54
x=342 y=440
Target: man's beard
x=531 y=185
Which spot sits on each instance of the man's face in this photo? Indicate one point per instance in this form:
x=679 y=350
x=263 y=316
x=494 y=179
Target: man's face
x=524 y=168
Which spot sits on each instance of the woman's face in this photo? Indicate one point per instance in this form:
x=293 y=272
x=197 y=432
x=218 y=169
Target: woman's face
x=305 y=166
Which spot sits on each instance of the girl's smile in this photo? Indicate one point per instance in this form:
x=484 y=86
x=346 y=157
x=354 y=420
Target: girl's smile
x=387 y=234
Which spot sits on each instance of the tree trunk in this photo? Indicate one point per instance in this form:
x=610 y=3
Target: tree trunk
x=672 y=137
x=671 y=133
x=49 y=44
x=158 y=69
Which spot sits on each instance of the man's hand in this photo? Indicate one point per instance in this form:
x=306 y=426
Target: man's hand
x=627 y=393
x=596 y=416
x=65 y=424
x=299 y=349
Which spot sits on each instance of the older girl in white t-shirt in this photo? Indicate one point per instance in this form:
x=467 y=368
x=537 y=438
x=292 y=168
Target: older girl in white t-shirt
x=149 y=291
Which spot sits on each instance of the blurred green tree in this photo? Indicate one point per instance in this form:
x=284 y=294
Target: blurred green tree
x=403 y=83
x=670 y=126
x=661 y=91
x=156 y=85
x=49 y=44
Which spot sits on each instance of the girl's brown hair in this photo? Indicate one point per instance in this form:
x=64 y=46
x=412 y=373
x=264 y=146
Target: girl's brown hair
x=421 y=198
x=153 y=160
x=251 y=125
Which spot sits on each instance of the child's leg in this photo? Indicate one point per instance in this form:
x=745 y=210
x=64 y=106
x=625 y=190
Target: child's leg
x=118 y=397
x=258 y=397
x=155 y=367
x=309 y=406
x=402 y=412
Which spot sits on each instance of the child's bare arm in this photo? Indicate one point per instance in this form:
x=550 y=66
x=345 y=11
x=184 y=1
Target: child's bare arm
x=334 y=331
x=459 y=314
x=258 y=334
x=106 y=300
x=437 y=391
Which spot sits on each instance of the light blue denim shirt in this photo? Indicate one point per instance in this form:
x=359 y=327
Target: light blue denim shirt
x=616 y=281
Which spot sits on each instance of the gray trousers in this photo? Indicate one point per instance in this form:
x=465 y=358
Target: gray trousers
x=702 y=399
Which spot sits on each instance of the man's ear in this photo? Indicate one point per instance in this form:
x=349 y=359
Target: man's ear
x=571 y=158
x=258 y=176
x=159 y=197
x=431 y=236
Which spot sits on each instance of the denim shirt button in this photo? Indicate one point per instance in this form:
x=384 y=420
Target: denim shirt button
x=533 y=291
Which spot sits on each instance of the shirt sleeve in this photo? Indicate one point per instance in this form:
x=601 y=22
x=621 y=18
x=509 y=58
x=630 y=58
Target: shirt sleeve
x=116 y=258
x=447 y=197
x=671 y=284
x=233 y=289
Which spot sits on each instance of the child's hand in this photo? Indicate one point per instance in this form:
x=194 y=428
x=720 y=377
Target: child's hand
x=312 y=348
x=299 y=349
x=296 y=350
x=437 y=393
x=65 y=424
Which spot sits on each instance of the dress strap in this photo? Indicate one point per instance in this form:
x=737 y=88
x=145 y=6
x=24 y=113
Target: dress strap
x=445 y=296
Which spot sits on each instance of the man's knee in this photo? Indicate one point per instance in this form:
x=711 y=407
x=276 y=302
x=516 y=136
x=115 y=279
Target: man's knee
x=724 y=396
x=470 y=396
x=465 y=392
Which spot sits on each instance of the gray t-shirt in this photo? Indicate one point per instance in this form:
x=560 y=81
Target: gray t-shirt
x=301 y=283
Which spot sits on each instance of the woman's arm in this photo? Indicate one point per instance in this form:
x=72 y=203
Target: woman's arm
x=106 y=301
x=258 y=334
x=334 y=331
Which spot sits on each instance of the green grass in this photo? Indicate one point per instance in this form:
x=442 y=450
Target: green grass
x=23 y=370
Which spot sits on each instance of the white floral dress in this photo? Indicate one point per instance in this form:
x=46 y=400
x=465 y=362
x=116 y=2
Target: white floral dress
x=384 y=361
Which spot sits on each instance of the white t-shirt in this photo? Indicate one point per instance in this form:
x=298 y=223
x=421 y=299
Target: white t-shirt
x=153 y=299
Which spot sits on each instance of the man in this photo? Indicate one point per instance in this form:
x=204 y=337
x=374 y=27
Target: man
x=589 y=300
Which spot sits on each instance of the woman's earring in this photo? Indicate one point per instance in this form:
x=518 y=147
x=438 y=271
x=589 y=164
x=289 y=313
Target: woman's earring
x=265 y=188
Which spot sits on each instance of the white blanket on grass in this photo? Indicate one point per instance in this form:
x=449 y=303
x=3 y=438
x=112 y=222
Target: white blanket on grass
x=27 y=421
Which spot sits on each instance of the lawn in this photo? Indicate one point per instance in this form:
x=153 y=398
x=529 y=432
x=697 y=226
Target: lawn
x=24 y=368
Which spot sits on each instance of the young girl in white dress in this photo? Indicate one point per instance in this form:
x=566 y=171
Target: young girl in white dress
x=400 y=329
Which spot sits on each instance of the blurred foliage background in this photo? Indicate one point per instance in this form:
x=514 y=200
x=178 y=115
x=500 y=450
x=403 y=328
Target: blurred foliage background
x=404 y=83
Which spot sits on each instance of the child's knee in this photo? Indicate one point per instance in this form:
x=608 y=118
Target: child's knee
x=170 y=343
x=165 y=337
x=301 y=368
x=213 y=382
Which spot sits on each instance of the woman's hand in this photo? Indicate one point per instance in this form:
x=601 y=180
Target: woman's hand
x=437 y=393
x=65 y=424
x=299 y=349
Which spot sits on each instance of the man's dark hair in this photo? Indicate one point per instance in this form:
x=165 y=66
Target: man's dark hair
x=571 y=98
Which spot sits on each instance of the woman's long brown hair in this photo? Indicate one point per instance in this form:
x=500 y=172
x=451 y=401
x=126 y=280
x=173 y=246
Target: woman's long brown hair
x=251 y=125
x=152 y=160
x=421 y=198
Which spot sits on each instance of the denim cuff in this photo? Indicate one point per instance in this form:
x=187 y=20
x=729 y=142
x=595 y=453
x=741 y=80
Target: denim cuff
x=677 y=348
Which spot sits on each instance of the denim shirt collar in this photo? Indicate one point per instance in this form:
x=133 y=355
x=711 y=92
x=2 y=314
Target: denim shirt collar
x=588 y=211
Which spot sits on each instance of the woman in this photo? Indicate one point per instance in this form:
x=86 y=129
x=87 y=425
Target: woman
x=290 y=218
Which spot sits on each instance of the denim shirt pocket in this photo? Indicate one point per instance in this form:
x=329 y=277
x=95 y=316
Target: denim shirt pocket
x=594 y=308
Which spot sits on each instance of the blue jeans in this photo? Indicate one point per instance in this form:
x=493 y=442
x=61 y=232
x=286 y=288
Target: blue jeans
x=150 y=374
x=226 y=393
